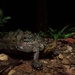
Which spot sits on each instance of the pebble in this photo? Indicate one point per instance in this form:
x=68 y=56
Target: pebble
x=3 y=57
x=65 y=61
x=68 y=57
x=44 y=61
x=61 y=56
x=66 y=51
x=11 y=72
x=69 y=48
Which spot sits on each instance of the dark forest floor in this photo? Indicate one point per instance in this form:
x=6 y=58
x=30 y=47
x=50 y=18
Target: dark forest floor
x=61 y=64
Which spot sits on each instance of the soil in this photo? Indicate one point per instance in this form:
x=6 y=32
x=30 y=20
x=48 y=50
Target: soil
x=62 y=62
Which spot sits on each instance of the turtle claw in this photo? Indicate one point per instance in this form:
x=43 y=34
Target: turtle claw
x=37 y=65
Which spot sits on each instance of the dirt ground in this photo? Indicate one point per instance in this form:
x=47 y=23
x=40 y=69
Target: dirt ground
x=61 y=64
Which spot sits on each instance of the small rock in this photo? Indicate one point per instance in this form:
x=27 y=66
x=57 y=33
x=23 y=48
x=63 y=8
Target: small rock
x=45 y=62
x=67 y=66
x=65 y=61
x=69 y=48
x=72 y=53
x=61 y=56
x=52 y=60
x=68 y=57
x=11 y=72
x=51 y=64
x=3 y=57
x=66 y=51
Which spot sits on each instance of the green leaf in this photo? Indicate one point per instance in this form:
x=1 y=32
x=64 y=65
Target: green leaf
x=72 y=29
x=67 y=35
x=51 y=30
x=64 y=28
x=56 y=36
x=7 y=17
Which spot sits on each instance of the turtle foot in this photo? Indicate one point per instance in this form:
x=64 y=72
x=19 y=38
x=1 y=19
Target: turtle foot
x=37 y=65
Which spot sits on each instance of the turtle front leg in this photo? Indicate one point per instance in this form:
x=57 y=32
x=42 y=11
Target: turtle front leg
x=36 y=64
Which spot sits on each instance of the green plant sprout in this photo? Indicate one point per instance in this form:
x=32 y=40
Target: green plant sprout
x=56 y=34
x=72 y=29
x=64 y=33
x=3 y=19
x=69 y=33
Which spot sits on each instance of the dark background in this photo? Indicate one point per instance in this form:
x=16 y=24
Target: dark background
x=24 y=14
x=61 y=13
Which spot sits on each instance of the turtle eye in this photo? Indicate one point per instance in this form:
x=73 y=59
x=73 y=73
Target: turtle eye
x=24 y=38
